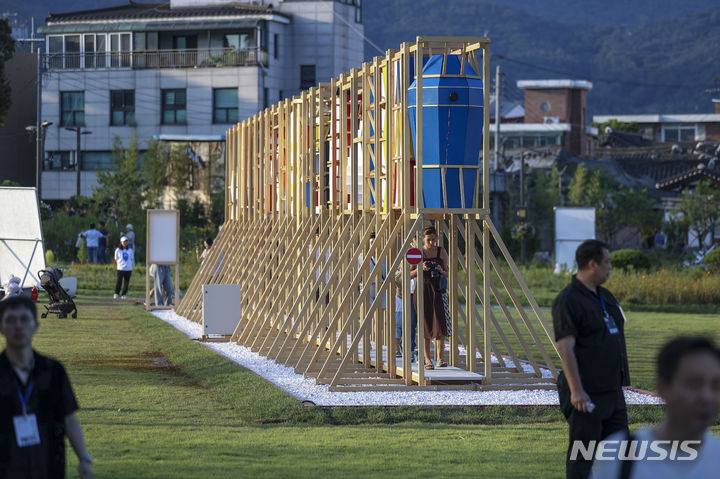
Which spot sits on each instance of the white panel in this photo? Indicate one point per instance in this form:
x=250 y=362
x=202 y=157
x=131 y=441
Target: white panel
x=572 y=227
x=21 y=246
x=574 y=223
x=221 y=308
x=162 y=240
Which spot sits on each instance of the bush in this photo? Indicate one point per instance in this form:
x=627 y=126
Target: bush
x=712 y=259
x=49 y=258
x=627 y=259
x=82 y=254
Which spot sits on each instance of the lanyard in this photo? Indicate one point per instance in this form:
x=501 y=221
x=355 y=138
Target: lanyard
x=601 y=302
x=26 y=398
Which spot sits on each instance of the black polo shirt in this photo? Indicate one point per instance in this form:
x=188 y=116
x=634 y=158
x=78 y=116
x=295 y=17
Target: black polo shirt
x=51 y=400
x=601 y=355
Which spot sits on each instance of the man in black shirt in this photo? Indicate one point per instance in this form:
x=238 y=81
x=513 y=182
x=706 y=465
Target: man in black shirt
x=589 y=331
x=37 y=404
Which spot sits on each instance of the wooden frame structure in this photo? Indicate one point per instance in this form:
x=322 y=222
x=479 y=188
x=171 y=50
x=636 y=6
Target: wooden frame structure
x=307 y=182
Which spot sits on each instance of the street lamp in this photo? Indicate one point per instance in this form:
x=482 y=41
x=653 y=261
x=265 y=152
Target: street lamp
x=78 y=155
x=39 y=152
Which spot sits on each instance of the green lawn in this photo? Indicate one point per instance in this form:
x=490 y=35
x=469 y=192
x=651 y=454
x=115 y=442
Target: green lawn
x=156 y=404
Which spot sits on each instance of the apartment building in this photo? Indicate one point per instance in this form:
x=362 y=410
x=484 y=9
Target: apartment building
x=179 y=71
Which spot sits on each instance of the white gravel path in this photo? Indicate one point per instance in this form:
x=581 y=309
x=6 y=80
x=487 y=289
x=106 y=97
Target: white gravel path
x=306 y=389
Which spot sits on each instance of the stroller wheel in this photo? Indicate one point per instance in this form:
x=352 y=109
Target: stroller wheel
x=43 y=315
x=74 y=315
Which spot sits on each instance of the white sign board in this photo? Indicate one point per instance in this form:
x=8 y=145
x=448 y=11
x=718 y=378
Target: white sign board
x=221 y=309
x=573 y=225
x=21 y=242
x=163 y=236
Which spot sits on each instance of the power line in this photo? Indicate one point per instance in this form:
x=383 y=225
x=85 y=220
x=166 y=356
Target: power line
x=600 y=79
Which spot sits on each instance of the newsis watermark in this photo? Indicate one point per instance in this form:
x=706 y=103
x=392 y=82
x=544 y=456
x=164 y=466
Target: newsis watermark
x=635 y=450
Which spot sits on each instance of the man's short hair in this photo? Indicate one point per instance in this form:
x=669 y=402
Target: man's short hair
x=17 y=302
x=589 y=250
x=672 y=353
x=92 y=225
x=101 y=223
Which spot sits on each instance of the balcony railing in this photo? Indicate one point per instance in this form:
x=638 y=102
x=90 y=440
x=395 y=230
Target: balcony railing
x=198 y=58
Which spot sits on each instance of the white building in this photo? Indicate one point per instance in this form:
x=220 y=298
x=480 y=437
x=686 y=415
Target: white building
x=184 y=70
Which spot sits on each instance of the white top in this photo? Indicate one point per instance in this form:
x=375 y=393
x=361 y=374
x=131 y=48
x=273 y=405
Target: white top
x=131 y=239
x=92 y=237
x=706 y=465
x=125 y=259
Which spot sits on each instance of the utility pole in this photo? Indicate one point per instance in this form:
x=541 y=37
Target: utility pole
x=78 y=155
x=39 y=130
x=497 y=118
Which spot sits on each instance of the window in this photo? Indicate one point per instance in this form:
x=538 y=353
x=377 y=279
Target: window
x=72 y=51
x=307 y=76
x=97 y=160
x=679 y=133
x=122 y=107
x=185 y=42
x=276 y=46
x=120 y=49
x=237 y=41
x=174 y=107
x=57 y=160
x=72 y=108
x=151 y=42
x=94 y=50
x=225 y=105
x=139 y=41
x=55 y=49
x=358 y=11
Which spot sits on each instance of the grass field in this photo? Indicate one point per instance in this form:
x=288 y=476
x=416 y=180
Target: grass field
x=155 y=404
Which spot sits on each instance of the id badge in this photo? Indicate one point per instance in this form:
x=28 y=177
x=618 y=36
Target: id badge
x=26 y=430
x=610 y=323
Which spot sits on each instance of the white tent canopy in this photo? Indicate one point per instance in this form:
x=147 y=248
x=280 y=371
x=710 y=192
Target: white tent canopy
x=22 y=252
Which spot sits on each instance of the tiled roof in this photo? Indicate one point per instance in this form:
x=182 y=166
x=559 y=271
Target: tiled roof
x=689 y=177
x=147 y=11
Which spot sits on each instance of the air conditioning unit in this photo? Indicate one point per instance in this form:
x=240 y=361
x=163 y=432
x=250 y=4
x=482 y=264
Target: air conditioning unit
x=551 y=120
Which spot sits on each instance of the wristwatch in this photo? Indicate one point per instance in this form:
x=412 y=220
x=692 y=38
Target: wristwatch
x=86 y=458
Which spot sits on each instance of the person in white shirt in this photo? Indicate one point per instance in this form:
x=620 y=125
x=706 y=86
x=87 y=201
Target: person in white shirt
x=92 y=237
x=688 y=372
x=125 y=260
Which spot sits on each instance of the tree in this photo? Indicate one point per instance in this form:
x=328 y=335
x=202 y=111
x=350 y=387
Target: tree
x=616 y=125
x=700 y=209
x=7 y=48
x=120 y=190
x=615 y=207
x=166 y=170
x=587 y=189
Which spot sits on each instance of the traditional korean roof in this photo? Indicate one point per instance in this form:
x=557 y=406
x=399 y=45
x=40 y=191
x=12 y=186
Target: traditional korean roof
x=689 y=177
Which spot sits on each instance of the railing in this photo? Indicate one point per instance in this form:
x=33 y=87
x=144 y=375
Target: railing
x=213 y=57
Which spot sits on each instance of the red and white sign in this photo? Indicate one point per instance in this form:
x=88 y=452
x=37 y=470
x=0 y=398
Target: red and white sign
x=414 y=256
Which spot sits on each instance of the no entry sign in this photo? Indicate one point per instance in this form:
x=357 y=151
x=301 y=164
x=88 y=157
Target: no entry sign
x=414 y=256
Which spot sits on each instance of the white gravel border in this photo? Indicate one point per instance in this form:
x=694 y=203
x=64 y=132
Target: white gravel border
x=306 y=389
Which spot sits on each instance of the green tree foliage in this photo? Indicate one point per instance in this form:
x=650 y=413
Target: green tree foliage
x=166 y=170
x=7 y=48
x=615 y=207
x=616 y=125
x=700 y=209
x=120 y=190
x=9 y=183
